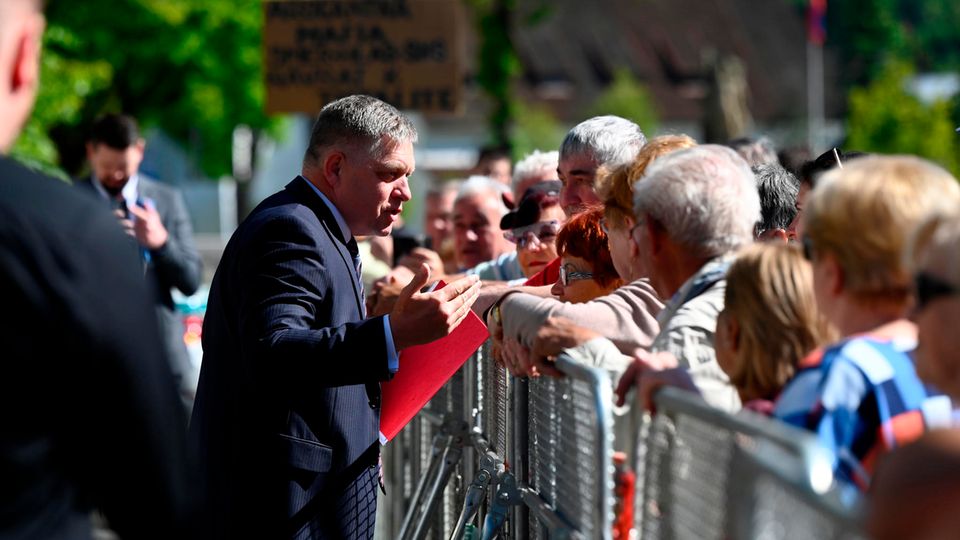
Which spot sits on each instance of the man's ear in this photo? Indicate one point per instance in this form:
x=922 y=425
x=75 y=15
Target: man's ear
x=333 y=166
x=26 y=57
x=141 y=145
x=779 y=235
x=91 y=149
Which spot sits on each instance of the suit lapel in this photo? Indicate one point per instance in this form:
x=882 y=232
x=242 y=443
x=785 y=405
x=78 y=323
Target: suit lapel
x=305 y=194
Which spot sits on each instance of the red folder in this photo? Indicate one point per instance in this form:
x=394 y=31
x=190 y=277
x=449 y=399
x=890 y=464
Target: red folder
x=423 y=370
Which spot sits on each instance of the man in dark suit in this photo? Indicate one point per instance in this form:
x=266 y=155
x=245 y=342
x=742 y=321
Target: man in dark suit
x=155 y=215
x=89 y=415
x=287 y=411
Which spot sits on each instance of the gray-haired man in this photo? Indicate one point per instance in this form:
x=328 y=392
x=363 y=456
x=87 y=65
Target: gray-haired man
x=287 y=412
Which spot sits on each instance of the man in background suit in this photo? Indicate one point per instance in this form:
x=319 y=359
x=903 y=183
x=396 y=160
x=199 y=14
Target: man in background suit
x=155 y=215
x=89 y=415
x=287 y=412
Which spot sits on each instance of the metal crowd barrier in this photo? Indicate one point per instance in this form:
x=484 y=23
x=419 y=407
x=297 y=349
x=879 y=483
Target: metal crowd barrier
x=492 y=456
x=688 y=463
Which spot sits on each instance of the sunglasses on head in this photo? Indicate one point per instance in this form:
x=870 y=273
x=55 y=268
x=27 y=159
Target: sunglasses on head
x=566 y=276
x=535 y=234
x=927 y=288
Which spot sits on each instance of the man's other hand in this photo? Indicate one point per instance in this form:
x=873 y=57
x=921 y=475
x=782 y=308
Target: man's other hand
x=147 y=227
x=421 y=255
x=419 y=318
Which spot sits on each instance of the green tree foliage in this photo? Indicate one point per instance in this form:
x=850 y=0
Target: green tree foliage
x=189 y=67
x=534 y=128
x=885 y=118
x=498 y=64
x=627 y=97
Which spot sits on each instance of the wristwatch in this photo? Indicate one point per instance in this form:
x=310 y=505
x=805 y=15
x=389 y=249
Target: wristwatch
x=495 y=315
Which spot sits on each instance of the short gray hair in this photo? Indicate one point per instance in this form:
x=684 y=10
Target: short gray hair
x=778 y=189
x=705 y=197
x=361 y=121
x=484 y=185
x=533 y=164
x=610 y=140
x=755 y=151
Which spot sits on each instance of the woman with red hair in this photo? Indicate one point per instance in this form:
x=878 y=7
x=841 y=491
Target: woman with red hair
x=586 y=269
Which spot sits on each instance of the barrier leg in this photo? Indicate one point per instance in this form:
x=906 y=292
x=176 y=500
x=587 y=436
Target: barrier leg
x=490 y=468
x=507 y=496
x=440 y=443
x=451 y=456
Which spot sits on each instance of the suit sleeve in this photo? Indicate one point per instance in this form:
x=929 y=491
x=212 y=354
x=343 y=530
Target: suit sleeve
x=287 y=313
x=177 y=262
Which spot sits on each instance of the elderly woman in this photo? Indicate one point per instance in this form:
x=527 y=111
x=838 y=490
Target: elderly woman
x=534 y=225
x=586 y=268
x=862 y=395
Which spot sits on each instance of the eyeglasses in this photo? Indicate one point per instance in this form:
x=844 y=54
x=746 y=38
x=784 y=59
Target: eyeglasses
x=533 y=235
x=927 y=288
x=566 y=276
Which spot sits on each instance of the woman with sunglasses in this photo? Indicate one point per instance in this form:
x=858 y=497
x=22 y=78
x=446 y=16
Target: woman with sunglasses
x=935 y=255
x=534 y=225
x=586 y=269
x=862 y=395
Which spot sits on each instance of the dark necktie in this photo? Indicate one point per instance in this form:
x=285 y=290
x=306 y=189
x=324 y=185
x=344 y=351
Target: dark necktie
x=358 y=266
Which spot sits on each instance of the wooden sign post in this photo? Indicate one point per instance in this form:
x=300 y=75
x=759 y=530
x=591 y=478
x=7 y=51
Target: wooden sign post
x=408 y=53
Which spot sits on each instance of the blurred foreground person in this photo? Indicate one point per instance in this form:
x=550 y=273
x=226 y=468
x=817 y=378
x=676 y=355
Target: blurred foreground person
x=862 y=396
x=288 y=408
x=935 y=253
x=89 y=415
x=916 y=493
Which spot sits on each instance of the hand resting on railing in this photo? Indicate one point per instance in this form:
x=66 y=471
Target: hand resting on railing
x=556 y=335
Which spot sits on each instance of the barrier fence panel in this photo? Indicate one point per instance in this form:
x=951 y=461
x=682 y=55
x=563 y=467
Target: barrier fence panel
x=570 y=453
x=533 y=458
x=689 y=452
x=769 y=504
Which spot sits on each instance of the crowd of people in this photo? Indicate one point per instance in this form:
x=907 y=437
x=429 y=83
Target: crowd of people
x=820 y=294
x=820 y=297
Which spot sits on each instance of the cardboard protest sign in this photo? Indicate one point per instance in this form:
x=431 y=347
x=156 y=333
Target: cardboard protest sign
x=408 y=53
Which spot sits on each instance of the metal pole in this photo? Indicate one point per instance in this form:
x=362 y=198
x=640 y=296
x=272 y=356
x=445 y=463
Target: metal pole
x=815 y=101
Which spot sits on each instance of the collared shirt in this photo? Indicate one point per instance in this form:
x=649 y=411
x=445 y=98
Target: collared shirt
x=506 y=267
x=688 y=323
x=393 y=359
x=129 y=191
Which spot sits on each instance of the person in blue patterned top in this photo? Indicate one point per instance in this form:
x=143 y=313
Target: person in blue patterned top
x=862 y=396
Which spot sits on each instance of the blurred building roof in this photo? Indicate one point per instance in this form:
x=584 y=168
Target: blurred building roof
x=570 y=55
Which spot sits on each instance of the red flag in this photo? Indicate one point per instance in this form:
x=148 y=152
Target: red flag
x=817 y=21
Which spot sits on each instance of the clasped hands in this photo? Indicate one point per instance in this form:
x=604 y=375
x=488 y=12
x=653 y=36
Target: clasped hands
x=648 y=372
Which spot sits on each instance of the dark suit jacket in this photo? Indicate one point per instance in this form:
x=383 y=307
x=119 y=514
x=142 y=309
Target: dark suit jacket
x=88 y=409
x=287 y=412
x=176 y=265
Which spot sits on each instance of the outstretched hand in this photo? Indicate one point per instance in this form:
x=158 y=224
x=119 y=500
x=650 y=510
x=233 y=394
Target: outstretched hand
x=650 y=371
x=419 y=318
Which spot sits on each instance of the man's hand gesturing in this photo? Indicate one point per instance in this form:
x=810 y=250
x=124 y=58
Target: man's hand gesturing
x=419 y=318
